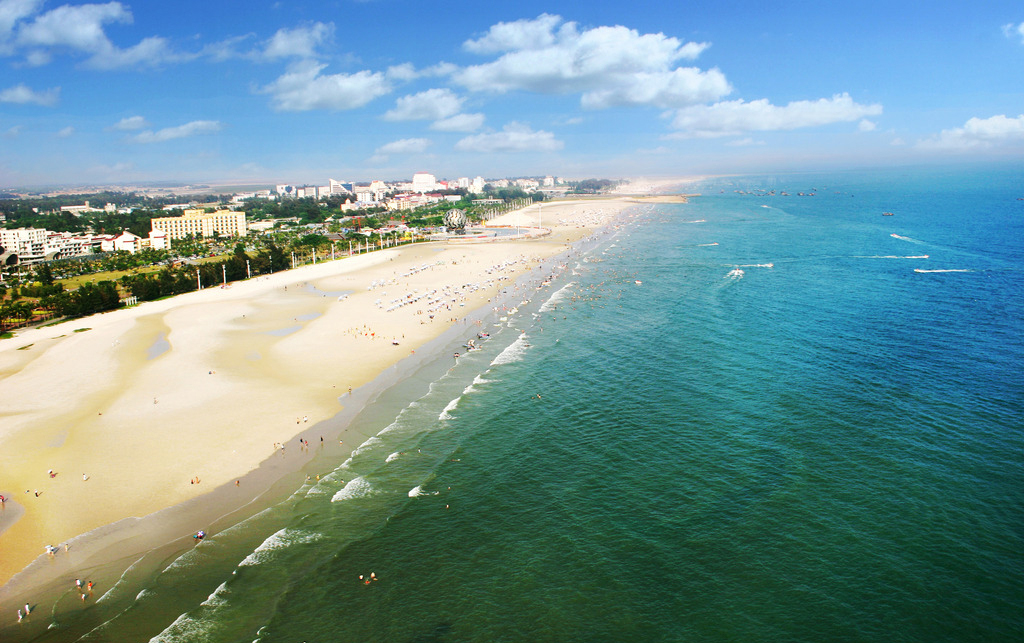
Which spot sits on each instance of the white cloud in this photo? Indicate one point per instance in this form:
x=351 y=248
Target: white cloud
x=681 y=86
x=13 y=132
x=521 y=34
x=299 y=42
x=515 y=137
x=431 y=105
x=11 y=11
x=866 y=126
x=1011 y=31
x=130 y=123
x=978 y=133
x=181 y=131
x=66 y=132
x=225 y=49
x=80 y=28
x=302 y=88
x=405 y=146
x=607 y=65
x=24 y=95
x=732 y=118
x=459 y=123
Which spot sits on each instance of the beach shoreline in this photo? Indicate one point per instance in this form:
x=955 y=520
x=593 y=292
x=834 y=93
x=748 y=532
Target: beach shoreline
x=101 y=548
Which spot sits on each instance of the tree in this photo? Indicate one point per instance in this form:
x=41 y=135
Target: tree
x=44 y=274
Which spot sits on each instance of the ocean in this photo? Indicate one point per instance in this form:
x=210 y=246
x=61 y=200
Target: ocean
x=751 y=417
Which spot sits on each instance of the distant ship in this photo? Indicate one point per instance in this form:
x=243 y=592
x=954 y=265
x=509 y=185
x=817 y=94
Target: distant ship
x=887 y=214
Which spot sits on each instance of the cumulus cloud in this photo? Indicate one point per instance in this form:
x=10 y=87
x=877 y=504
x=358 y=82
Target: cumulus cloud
x=130 y=123
x=303 y=88
x=66 y=132
x=731 y=118
x=13 y=132
x=514 y=137
x=459 y=123
x=22 y=94
x=432 y=105
x=866 y=126
x=300 y=42
x=181 y=131
x=81 y=28
x=978 y=133
x=607 y=65
x=1013 y=31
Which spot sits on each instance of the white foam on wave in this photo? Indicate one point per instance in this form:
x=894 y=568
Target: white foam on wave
x=944 y=270
x=324 y=484
x=735 y=274
x=185 y=629
x=357 y=487
x=704 y=245
x=418 y=491
x=697 y=221
x=514 y=353
x=371 y=442
x=279 y=540
x=188 y=559
x=218 y=597
x=757 y=265
x=394 y=456
x=445 y=414
x=556 y=298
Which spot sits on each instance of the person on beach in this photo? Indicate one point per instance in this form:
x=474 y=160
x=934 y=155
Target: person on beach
x=20 y=616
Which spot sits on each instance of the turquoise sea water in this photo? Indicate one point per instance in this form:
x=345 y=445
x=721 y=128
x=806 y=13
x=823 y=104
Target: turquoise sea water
x=745 y=418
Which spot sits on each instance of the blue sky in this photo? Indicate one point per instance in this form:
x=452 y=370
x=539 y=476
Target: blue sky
x=121 y=92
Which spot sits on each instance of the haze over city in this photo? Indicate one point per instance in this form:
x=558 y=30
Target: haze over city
x=123 y=92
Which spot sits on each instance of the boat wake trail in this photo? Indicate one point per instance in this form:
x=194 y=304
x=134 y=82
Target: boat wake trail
x=944 y=270
x=902 y=238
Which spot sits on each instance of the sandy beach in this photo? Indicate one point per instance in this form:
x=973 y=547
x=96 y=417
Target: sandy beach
x=131 y=412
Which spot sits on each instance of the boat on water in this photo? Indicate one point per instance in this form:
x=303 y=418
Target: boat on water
x=887 y=214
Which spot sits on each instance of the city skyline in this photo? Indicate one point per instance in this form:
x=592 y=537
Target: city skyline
x=123 y=92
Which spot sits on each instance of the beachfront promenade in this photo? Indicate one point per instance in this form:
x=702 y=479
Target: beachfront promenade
x=127 y=413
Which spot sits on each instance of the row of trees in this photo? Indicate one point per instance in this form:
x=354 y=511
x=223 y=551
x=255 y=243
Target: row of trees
x=86 y=300
x=175 y=280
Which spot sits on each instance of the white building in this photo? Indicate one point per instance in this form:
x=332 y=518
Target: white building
x=478 y=184
x=423 y=182
x=28 y=244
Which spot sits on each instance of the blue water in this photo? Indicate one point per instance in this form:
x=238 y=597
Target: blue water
x=788 y=436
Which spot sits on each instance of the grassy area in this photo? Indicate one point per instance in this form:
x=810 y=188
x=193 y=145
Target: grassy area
x=73 y=283
x=214 y=258
x=110 y=275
